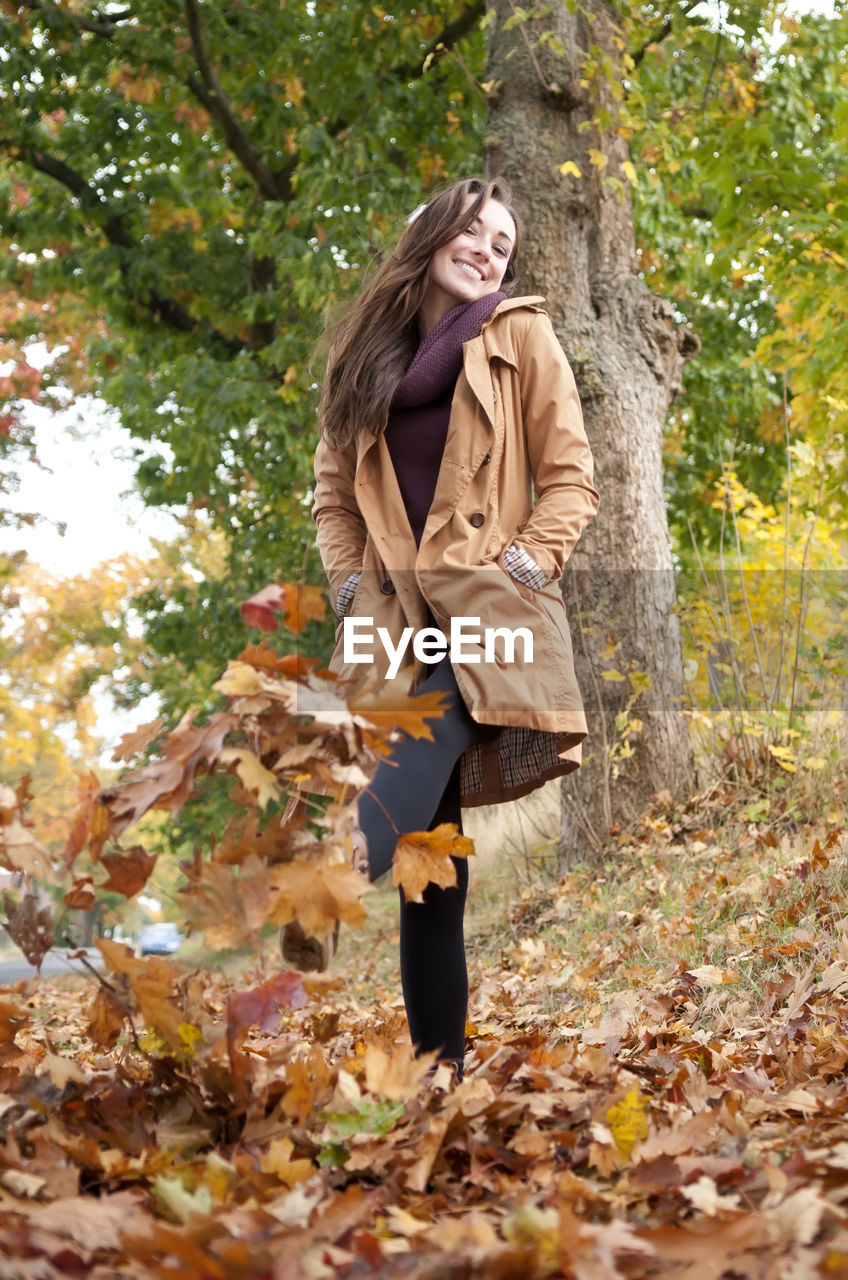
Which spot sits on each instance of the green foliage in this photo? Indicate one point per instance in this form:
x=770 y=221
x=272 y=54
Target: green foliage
x=211 y=183
x=740 y=142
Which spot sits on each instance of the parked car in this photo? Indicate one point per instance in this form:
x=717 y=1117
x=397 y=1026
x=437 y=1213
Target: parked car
x=161 y=939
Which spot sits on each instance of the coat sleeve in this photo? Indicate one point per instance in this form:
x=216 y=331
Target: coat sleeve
x=341 y=531
x=560 y=457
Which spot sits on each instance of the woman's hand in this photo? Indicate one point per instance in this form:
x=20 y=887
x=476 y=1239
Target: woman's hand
x=520 y=565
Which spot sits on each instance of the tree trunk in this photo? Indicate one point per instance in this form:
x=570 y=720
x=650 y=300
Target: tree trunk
x=627 y=354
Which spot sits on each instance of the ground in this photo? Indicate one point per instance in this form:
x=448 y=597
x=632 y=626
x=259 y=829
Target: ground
x=654 y=1085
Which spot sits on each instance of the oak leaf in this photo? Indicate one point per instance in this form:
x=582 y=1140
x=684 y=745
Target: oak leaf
x=29 y=926
x=166 y=783
x=425 y=857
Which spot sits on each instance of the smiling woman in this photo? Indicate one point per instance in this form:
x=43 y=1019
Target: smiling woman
x=470 y=265
x=446 y=405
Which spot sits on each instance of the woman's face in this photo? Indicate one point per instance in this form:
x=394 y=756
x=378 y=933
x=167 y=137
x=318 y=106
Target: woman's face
x=473 y=263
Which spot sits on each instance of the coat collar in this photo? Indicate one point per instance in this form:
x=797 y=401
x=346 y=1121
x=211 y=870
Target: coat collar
x=374 y=467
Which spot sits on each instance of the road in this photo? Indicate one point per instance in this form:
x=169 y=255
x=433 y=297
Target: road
x=14 y=967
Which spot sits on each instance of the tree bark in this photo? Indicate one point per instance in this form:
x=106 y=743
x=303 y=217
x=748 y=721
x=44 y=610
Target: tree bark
x=627 y=352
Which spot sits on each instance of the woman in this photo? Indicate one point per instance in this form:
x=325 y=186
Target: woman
x=445 y=404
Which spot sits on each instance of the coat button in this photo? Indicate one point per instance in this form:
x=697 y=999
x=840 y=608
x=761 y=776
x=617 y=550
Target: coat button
x=477 y=519
x=387 y=588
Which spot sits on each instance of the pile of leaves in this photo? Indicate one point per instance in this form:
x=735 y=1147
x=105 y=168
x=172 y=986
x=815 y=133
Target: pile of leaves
x=613 y=1122
x=655 y=1077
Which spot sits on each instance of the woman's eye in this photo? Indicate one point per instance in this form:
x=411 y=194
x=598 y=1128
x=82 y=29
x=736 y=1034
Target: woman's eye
x=501 y=250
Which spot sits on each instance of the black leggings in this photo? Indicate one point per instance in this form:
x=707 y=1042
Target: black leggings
x=415 y=789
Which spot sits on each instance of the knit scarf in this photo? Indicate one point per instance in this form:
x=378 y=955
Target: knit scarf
x=436 y=364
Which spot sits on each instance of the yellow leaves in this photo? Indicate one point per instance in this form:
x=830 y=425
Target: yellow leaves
x=252 y=773
x=570 y=168
x=424 y=857
x=180 y=1204
x=240 y=680
x=710 y=975
x=398 y=1075
x=629 y=171
x=164 y=217
x=627 y=1120
x=295 y=91
x=530 y=1224
x=785 y=757
x=134 y=86
x=597 y=158
x=612 y=676
x=278 y=1161
x=148 y=987
x=317 y=894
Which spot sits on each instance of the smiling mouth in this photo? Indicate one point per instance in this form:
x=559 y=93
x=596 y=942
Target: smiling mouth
x=469 y=270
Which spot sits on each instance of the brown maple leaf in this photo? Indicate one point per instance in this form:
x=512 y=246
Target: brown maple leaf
x=318 y=894
x=152 y=984
x=393 y=707
x=229 y=904
x=135 y=741
x=425 y=857
x=105 y=1019
x=290 y=665
x=128 y=872
x=81 y=894
x=166 y=783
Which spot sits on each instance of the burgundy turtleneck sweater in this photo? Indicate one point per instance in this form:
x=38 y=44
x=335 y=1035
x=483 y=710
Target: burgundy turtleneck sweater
x=420 y=411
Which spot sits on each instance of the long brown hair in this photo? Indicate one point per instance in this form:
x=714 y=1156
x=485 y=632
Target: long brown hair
x=371 y=347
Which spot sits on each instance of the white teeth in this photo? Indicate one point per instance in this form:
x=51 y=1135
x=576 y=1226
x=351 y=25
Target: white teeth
x=469 y=270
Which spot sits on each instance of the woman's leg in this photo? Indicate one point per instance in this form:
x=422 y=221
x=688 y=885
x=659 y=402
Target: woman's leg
x=409 y=785
x=415 y=789
x=432 y=954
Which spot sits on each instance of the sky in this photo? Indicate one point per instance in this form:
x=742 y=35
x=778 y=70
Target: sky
x=85 y=482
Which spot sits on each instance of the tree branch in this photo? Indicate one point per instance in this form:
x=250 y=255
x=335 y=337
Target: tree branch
x=450 y=35
x=173 y=313
x=662 y=32
x=100 y=25
x=208 y=90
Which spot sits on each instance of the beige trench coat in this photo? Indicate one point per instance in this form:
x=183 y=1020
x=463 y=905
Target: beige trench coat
x=515 y=426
